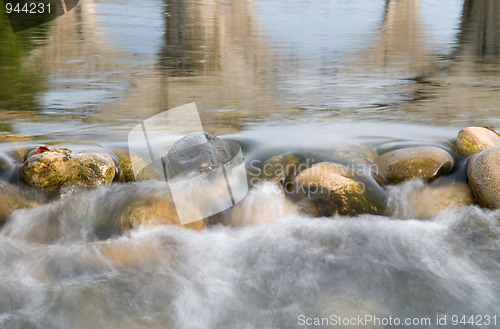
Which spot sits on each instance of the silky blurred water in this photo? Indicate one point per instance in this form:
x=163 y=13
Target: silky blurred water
x=273 y=75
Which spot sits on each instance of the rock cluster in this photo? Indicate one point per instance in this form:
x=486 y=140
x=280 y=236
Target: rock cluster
x=349 y=180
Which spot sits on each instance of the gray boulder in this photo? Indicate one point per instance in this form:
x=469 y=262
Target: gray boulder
x=199 y=152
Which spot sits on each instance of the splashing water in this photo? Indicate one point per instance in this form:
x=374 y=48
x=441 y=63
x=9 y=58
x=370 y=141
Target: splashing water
x=56 y=273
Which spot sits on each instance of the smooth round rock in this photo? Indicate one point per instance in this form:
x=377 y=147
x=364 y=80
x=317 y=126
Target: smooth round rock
x=281 y=168
x=199 y=151
x=355 y=154
x=484 y=177
x=429 y=201
x=154 y=210
x=424 y=162
x=54 y=169
x=126 y=159
x=325 y=190
x=472 y=140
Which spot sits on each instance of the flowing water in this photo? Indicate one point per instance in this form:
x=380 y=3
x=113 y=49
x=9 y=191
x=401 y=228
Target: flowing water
x=277 y=76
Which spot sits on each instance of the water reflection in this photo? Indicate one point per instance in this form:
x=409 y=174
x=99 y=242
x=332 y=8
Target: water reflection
x=402 y=42
x=214 y=55
x=480 y=29
x=105 y=67
x=19 y=85
x=463 y=90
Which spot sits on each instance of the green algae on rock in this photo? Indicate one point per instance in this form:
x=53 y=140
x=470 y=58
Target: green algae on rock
x=471 y=140
x=329 y=188
x=126 y=160
x=425 y=162
x=281 y=168
x=53 y=169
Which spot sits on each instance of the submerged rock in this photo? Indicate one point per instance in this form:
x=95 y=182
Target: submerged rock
x=154 y=210
x=126 y=252
x=198 y=151
x=11 y=198
x=429 y=201
x=54 y=169
x=471 y=140
x=484 y=177
x=281 y=168
x=326 y=189
x=355 y=154
x=425 y=162
x=126 y=159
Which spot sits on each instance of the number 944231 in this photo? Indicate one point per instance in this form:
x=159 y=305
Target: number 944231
x=27 y=8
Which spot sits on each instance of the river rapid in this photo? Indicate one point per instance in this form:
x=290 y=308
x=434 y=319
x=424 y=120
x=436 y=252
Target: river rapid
x=275 y=76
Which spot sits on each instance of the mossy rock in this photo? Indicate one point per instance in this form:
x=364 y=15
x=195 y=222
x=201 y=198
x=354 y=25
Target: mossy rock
x=128 y=160
x=483 y=172
x=472 y=140
x=281 y=168
x=54 y=169
x=423 y=162
x=328 y=189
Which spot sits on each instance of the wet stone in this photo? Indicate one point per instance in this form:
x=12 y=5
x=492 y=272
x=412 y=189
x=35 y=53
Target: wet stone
x=199 y=151
x=472 y=140
x=281 y=168
x=429 y=201
x=424 y=162
x=327 y=189
x=154 y=210
x=126 y=159
x=355 y=154
x=483 y=172
x=53 y=169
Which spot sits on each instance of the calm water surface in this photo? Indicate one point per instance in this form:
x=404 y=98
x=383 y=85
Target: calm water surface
x=286 y=74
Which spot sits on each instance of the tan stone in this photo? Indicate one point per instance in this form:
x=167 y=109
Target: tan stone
x=326 y=189
x=431 y=200
x=484 y=177
x=471 y=140
x=424 y=162
x=154 y=211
